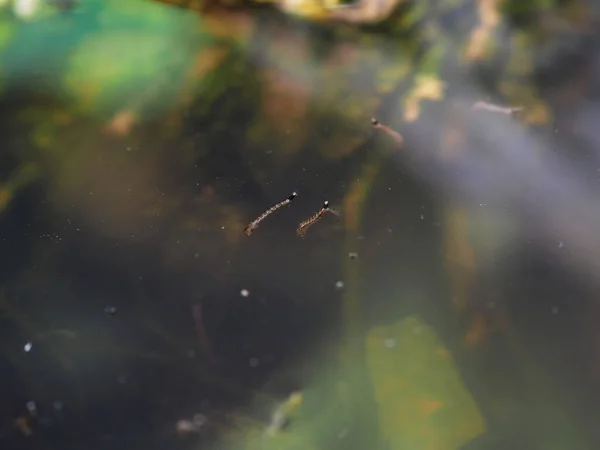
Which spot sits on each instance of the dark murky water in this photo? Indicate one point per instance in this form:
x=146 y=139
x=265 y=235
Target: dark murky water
x=131 y=299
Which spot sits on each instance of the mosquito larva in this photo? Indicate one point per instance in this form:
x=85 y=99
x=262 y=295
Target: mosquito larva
x=301 y=230
x=510 y=111
x=397 y=137
x=256 y=222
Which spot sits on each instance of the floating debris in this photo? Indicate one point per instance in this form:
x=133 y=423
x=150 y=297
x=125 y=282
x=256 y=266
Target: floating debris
x=185 y=427
x=282 y=415
x=23 y=426
x=199 y=419
x=27 y=347
x=202 y=335
x=339 y=285
x=244 y=292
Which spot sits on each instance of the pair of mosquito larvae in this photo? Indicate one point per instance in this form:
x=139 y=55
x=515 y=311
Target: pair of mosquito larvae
x=301 y=230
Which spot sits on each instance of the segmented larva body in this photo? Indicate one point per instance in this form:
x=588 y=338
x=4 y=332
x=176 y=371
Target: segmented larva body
x=256 y=222
x=301 y=230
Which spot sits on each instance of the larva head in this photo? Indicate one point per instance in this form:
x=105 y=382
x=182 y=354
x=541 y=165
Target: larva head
x=326 y=204
x=374 y=121
x=293 y=196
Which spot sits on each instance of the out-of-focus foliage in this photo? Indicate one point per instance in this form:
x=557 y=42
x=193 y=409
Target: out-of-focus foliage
x=105 y=57
x=421 y=400
x=21 y=177
x=135 y=61
x=433 y=31
x=423 y=403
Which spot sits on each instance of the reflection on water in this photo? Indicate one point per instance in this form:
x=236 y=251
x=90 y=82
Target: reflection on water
x=160 y=291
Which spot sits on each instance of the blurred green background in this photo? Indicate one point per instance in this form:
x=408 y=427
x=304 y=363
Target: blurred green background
x=140 y=137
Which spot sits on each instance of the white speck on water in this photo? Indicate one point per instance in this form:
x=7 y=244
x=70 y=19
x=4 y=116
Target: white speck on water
x=422 y=216
x=196 y=255
x=339 y=285
x=244 y=292
x=222 y=228
x=31 y=407
x=254 y=362
x=390 y=343
x=27 y=347
x=560 y=244
x=554 y=310
x=352 y=255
